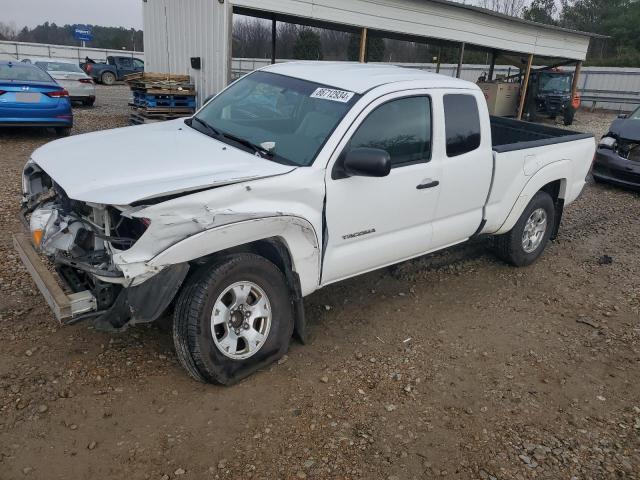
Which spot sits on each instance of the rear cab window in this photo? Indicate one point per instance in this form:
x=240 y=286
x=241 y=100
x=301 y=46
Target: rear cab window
x=462 y=124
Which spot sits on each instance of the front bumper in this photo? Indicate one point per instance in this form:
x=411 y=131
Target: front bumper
x=611 y=167
x=65 y=307
x=135 y=304
x=36 y=122
x=82 y=98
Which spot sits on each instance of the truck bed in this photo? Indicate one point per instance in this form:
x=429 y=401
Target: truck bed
x=509 y=135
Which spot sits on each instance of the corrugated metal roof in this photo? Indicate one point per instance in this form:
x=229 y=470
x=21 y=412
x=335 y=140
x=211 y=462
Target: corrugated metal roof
x=486 y=11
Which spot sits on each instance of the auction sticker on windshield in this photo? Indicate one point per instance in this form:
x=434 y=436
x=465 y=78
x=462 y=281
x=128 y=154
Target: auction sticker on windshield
x=332 y=94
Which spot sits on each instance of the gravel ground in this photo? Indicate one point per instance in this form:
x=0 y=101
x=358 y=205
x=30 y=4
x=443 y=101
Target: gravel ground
x=453 y=366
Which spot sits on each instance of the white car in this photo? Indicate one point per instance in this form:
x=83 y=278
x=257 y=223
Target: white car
x=69 y=76
x=279 y=186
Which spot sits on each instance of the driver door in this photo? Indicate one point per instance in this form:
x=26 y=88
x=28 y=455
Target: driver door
x=373 y=222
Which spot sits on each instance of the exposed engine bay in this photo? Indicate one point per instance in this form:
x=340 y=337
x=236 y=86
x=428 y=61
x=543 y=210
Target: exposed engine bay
x=78 y=238
x=628 y=149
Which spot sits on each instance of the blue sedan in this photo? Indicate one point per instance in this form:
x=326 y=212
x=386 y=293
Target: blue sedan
x=30 y=97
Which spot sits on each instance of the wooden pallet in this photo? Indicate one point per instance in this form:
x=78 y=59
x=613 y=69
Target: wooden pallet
x=157 y=77
x=160 y=84
x=151 y=112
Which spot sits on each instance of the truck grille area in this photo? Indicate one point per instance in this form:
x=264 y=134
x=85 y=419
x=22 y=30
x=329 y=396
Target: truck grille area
x=78 y=238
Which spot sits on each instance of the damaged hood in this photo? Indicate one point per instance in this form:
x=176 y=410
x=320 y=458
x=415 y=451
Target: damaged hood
x=626 y=129
x=125 y=165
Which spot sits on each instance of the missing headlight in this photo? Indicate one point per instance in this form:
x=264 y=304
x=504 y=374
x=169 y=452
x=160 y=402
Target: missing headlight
x=125 y=231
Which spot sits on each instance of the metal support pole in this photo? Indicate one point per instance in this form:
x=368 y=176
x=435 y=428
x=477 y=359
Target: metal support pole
x=363 y=46
x=492 y=66
x=576 y=78
x=273 y=40
x=525 y=86
x=439 y=60
x=460 y=60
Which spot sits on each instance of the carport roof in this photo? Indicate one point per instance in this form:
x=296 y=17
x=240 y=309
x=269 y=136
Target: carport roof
x=493 y=13
x=433 y=20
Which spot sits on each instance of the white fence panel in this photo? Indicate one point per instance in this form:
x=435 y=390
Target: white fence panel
x=600 y=87
x=20 y=50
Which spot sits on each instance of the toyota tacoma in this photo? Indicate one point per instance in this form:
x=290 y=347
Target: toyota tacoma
x=294 y=177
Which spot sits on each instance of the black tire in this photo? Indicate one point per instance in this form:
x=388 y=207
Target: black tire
x=108 y=78
x=568 y=116
x=192 y=335
x=88 y=102
x=63 y=131
x=509 y=246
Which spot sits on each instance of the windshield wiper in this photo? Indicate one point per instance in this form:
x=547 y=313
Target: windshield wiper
x=212 y=131
x=249 y=144
x=242 y=141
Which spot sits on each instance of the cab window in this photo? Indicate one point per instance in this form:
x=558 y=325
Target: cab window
x=401 y=127
x=462 y=124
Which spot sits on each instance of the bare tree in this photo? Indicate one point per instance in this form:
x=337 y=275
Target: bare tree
x=8 y=31
x=508 y=7
x=251 y=38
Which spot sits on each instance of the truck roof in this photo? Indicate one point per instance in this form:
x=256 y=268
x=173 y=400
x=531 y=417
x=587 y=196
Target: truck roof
x=362 y=77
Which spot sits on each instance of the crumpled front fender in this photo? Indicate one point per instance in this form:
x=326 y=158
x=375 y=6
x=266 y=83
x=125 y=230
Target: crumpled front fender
x=297 y=234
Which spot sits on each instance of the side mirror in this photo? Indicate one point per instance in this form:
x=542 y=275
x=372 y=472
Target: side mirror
x=367 y=162
x=622 y=115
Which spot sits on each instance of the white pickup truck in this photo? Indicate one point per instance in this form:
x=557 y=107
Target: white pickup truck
x=296 y=176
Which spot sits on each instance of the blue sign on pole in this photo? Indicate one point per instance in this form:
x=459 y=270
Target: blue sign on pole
x=83 y=33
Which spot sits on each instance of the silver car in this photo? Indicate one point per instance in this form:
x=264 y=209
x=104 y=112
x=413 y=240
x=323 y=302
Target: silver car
x=69 y=76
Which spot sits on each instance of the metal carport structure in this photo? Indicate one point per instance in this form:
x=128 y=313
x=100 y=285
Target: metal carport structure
x=177 y=31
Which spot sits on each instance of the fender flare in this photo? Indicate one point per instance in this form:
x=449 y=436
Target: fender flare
x=551 y=173
x=296 y=233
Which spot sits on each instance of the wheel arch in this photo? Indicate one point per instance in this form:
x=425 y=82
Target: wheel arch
x=290 y=243
x=552 y=179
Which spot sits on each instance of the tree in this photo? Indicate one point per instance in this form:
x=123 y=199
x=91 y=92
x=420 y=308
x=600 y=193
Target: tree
x=508 y=7
x=541 y=11
x=103 y=37
x=251 y=38
x=8 y=31
x=308 y=46
x=375 y=49
x=606 y=17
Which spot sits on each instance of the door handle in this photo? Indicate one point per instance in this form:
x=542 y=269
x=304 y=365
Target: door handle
x=428 y=183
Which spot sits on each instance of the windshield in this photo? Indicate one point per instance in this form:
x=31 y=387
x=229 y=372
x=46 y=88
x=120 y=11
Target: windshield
x=635 y=115
x=555 y=83
x=59 y=67
x=288 y=118
x=24 y=73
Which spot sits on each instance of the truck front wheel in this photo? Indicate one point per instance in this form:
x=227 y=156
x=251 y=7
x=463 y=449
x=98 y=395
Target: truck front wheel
x=232 y=318
x=529 y=237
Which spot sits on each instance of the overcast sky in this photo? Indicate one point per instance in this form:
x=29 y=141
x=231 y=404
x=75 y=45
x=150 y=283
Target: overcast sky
x=116 y=13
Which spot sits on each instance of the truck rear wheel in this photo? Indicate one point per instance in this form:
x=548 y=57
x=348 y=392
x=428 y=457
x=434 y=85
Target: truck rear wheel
x=108 y=78
x=232 y=319
x=529 y=237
